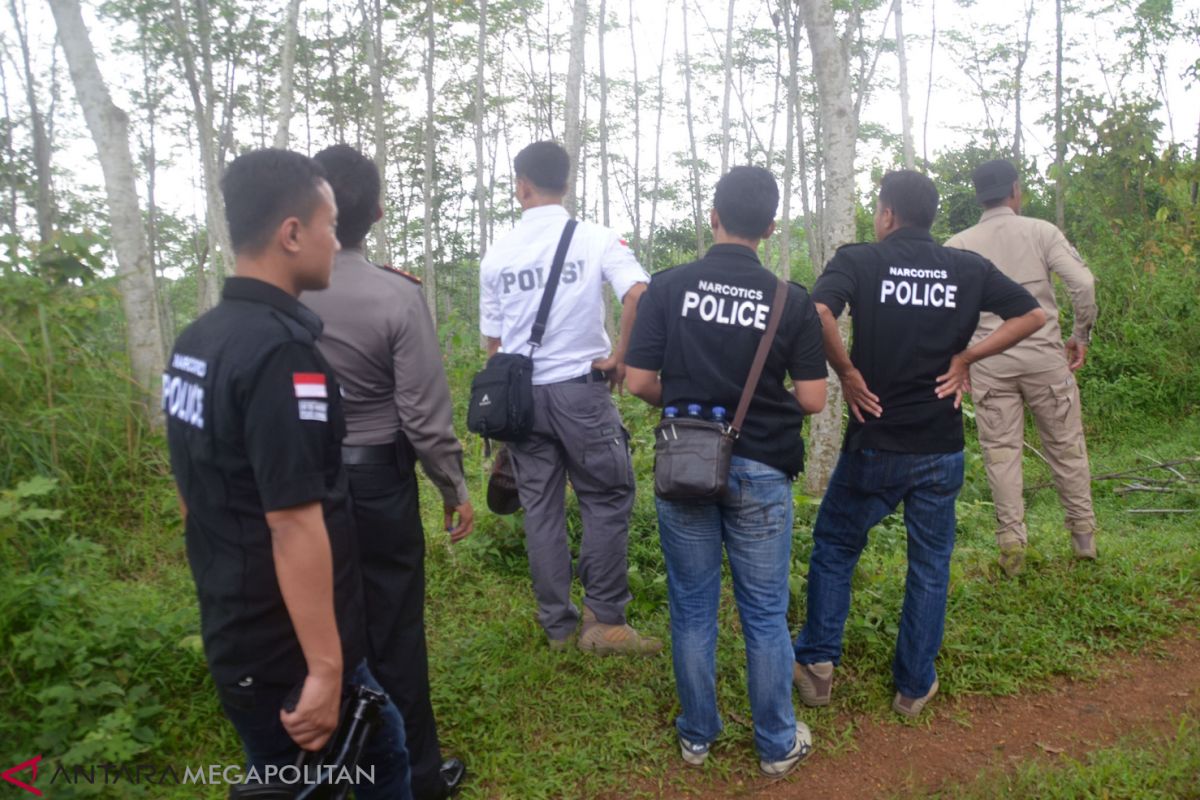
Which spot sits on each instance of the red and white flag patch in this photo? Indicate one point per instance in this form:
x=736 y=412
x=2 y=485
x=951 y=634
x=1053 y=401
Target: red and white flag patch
x=310 y=385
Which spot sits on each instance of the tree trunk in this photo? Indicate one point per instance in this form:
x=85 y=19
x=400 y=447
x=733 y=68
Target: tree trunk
x=728 y=58
x=1060 y=144
x=604 y=212
x=929 y=85
x=662 y=60
x=573 y=129
x=910 y=158
x=637 y=142
x=202 y=103
x=1022 y=55
x=287 y=67
x=10 y=212
x=109 y=127
x=480 y=188
x=43 y=175
x=839 y=135
x=430 y=274
x=687 y=101
x=789 y=20
x=373 y=24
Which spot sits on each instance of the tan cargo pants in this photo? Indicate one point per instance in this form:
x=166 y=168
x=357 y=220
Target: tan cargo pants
x=1053 y=398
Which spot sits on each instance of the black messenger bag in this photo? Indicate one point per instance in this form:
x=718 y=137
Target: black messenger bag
x=501 y=405
x=692 y=456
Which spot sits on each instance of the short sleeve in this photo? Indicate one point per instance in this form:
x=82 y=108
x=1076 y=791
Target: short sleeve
x=1003 y=296
x=806 y=361
x=836 y=285
x=620 y=268
x=490 y=315
x=648 y=342
x=287 y=429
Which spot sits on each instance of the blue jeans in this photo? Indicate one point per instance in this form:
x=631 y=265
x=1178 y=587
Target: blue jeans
x=754 y=522
x=254 y=712
x=866 y=486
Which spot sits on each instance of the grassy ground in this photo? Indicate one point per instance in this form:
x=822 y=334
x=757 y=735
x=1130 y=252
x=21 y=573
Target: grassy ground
x=102 y=663
x=541 y=724
x=1137 y=769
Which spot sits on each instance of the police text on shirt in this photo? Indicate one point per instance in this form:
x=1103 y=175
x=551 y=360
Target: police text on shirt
x=922 y=288
x=726 y=305
x=183 y=399
x=533 y=277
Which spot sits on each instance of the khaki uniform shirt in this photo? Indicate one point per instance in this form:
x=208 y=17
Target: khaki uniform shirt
x=383 y=346
x=1028 y=250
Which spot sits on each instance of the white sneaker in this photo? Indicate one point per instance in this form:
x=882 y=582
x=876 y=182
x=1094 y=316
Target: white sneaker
x=799 y=751
x=693 y=754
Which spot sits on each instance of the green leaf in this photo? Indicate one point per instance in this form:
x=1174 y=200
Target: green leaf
x=37 y=486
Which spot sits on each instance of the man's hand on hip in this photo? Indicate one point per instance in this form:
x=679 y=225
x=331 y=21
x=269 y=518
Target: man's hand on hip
x=858 y=396
x=614 y=370
x=955 y=381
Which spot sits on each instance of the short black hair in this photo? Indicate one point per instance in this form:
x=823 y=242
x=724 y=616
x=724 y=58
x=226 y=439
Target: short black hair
x=745 y=200
x=911 y=196
x=264 y=187
x=355 y=182
x=545 y=165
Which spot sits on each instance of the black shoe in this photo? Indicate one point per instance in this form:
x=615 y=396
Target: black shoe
x=454 y=772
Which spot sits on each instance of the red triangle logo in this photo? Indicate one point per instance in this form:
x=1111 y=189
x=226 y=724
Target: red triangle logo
x=32 y=766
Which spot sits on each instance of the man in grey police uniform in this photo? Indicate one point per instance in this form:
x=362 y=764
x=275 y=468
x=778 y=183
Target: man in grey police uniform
x=382 y=344
x=577 y=430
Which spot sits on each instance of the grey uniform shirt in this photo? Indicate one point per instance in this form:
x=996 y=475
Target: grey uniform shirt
x=382 y=344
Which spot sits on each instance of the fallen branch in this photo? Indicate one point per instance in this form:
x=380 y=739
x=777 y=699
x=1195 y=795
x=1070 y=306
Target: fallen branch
x=1133 y=473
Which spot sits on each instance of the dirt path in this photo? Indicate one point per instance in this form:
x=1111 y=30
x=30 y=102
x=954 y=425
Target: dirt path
x=1136 y=693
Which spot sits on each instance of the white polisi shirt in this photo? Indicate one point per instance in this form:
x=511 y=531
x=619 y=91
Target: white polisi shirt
x=513 y=274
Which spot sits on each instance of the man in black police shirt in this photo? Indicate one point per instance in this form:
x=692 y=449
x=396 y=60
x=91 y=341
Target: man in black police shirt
x=915 y=306
x=698 y=328
x=254 y=425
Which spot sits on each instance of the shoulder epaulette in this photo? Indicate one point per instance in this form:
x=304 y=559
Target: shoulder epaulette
x=852 y=244
x=402 y=273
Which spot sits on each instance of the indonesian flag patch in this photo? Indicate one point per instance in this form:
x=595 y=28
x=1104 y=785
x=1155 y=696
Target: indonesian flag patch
x=310 y=385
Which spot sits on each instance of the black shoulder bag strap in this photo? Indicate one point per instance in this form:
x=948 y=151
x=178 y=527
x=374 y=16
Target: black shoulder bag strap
x=760 y=356
x=543 y=312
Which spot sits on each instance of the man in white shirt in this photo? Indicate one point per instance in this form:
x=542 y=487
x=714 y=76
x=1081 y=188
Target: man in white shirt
x=577 y=431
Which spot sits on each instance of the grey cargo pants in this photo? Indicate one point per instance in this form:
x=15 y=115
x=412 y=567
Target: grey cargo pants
x=577 y=433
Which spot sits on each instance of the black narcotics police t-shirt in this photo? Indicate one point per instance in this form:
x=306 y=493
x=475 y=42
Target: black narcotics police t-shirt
x=915 y=304
x=699 y=325
x=254 y=424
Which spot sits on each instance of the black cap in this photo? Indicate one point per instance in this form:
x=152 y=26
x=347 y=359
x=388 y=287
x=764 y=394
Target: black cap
x=993 y=180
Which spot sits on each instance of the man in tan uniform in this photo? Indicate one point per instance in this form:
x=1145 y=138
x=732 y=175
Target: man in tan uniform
x=1038 y=372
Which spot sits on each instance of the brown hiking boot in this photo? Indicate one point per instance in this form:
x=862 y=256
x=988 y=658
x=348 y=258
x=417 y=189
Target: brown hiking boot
x=814 y=682
x=1084 y=545
x=911 y=706
x=1012 y=558
x=597 y=637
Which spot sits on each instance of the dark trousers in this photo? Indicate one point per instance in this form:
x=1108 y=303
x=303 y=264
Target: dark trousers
x=866 y=486
x=391 y=543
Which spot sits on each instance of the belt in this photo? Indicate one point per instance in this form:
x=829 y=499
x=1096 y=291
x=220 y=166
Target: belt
x=399 y=453
x=361 y=455
x=595 y=376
